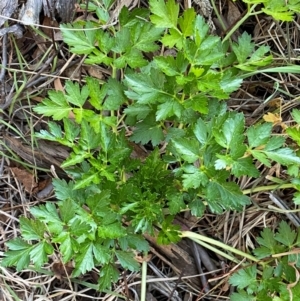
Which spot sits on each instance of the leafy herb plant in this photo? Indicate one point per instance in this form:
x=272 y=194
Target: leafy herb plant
x=165 y=98
x=276 y=276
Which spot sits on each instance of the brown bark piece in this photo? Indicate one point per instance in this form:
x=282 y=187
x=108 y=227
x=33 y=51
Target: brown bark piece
x=179 y=257
x=25 y=177
x=46 y=155
x=62 y=270
x=233 y=14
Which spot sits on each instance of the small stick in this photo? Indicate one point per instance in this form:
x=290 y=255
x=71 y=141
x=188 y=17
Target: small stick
x=3 y=66
x=280 y=203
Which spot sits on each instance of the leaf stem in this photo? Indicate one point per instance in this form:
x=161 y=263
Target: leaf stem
x=201 y=238
x=241 y=21
x=268 y=188
x=144 y=279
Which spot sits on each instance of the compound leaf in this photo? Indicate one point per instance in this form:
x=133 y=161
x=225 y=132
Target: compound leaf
x=285 y=234
x=127 y=260
x=84 y=261
x=164 y=14
x=245 y=278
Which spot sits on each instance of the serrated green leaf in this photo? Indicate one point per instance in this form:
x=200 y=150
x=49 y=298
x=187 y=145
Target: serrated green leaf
x=168 y=109
x=112 y=231
x=296 y=115
x=230 y=83
x=55 y=106
x=74 y=159
x=186 y=22
x=140 y=111
x=193 y=177
x=201 y=131
x=207 y=54
x=268 y=244
x=144 y=37
x=245 y=278
x=55 y=129
x=63 y=190
x=231 y=135
x=275 y=142
x=74 y=95
x=101 y=253
x=66 y=242
x=296 y=198
x=80 y=228
x=67 y=208
x=96 y=92
x=39 y=253
x=48 y=214
x=122 y=40
x=84 y=260
x=18 y=255
x=225 y=196
x=279 y=15
x=260 y=156
x=134 y=241
x=294 y=133
x=147 y=130
x=284 y=156
x=32 y=229
x=267 y=238
x=197 y=207
x=89 y=140
x=285 y=234
x=164 y=14
x=146 y=88
x=127 y=260
x=241 y=296
x=17 y=244
x=243 y=48
x=198 y=103
x=56 y=133
x=187 y=148
x=244 y=166
x=259 y=135
x=173 y=38
x=108 y=274
x=167 y=64
x=201 y=29
x=115 y=92
x=224 y=162
x=134 y=58
x=81 y=42
x=98 y=203
x=175 y=202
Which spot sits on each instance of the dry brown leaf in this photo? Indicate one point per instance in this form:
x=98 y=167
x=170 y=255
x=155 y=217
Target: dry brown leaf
x=43 y=184
x=58 y=85
x=94 y=71
x=61 y=270
x=138 y=152
x=141 y=259
x=274 y=118
x=25 y=177
x=47 y=23
x=275 y=102
x=233 y=14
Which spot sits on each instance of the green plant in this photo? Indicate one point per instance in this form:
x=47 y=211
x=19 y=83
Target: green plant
x=280 y=10
x=173 y=100
x=276 y=276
